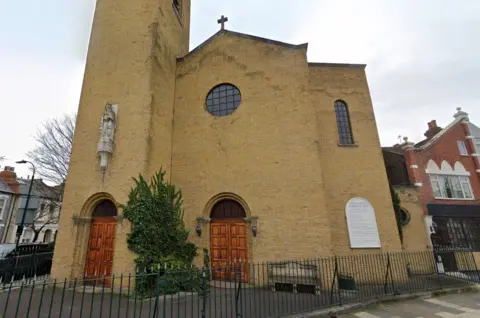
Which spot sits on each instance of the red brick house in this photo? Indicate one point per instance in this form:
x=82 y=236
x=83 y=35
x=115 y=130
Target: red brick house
x=445 y=168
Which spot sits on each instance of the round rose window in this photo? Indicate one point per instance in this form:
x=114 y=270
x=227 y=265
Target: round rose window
x=223 y=99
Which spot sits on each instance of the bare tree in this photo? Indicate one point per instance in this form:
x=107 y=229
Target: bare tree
x=51 y=154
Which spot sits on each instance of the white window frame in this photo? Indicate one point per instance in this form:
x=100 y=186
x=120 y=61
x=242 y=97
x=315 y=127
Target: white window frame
x=476 y=141
x=462 y=148
x=463 y=181
x=5 y=198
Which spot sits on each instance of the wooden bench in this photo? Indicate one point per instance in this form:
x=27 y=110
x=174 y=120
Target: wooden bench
x=293 y=273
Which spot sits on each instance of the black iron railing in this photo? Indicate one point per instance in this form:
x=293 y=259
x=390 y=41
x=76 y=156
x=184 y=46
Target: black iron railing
x=24 y=265
x=270 y=289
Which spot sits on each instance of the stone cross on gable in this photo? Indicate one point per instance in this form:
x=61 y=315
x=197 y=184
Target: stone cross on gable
x=222 y=21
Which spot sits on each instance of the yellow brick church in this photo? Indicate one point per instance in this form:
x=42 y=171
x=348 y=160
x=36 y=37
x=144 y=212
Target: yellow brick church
x=277 y=157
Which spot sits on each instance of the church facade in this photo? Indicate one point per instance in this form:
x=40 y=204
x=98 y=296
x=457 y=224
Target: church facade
x=270 y=150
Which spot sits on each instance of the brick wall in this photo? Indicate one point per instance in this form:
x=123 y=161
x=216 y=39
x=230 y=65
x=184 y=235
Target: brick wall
x=266 y=151
x=444 y=148
x=351 y=171
x=414 y=234
x=279 y=150
x=131 y=42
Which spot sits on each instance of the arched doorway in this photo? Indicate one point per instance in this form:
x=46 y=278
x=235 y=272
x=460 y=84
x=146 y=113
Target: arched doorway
x=228 y=240
x=101 y=242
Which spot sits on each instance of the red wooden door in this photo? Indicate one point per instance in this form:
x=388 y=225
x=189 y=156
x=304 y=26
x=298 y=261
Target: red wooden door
x=219 y=250
x=228 y=249
x=238 y=249
x=100 y=250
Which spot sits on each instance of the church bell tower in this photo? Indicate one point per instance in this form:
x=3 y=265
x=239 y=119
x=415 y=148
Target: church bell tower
x=124 y=117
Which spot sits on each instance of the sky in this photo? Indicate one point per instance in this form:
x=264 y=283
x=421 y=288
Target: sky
x=423 y=57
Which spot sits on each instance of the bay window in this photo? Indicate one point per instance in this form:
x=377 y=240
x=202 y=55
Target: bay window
x=451 y=187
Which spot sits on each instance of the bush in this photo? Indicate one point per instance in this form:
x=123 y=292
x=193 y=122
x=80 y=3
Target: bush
x=159 y=237
x=169 y=281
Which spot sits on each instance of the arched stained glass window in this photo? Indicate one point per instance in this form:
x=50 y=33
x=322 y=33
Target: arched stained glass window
x=343 y=123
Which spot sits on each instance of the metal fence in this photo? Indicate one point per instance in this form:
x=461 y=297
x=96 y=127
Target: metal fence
x=271 y=289
x=16 y=267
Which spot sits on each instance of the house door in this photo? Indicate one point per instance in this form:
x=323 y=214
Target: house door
x=443 y=244
x=101 y=244
x=228 y=241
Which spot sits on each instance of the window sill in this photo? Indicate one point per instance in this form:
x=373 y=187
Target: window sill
x=348 y=145
x=452 y=199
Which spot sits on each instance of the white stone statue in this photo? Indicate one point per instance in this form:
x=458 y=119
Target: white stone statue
x=107 y=133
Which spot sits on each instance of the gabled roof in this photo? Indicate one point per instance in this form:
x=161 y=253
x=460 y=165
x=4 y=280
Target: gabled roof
x=246 y=36
x=424 y=144
x=459 y=116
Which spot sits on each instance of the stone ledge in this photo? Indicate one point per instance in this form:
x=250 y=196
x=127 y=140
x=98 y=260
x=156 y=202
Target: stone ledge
x=76 y=219
x=203 y=220
x=369 y=304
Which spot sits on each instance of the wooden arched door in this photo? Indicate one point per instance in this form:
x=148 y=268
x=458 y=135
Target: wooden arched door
x=101 y=243
x=228 y=241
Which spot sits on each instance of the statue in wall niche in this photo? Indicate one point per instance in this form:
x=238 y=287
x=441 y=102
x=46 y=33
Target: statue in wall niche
x=107 y=133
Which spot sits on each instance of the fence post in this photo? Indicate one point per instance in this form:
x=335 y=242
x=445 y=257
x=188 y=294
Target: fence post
x=237 y=292
x=386 y=276
x=436 y=267
x=157 y=294
x=235 y=285
x=204 y=300
x=34 y=260
x=335 y=276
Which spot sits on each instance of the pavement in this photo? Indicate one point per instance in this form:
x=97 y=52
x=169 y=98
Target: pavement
x=464 y=305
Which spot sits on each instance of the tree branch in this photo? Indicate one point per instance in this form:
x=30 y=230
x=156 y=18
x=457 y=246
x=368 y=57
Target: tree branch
x=51 y=154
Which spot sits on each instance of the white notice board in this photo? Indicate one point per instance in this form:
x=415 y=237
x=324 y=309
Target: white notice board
x=362 y=224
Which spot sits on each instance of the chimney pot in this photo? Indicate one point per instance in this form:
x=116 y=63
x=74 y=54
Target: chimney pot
x=432 y=124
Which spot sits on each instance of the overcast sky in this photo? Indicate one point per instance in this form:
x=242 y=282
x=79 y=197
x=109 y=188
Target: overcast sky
x=423 y=57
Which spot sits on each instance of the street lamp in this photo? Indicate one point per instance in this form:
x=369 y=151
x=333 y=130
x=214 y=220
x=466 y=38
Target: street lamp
x=28 y=199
